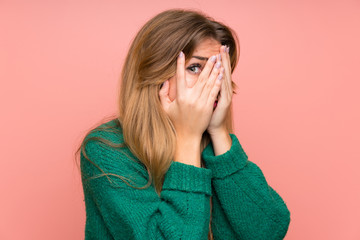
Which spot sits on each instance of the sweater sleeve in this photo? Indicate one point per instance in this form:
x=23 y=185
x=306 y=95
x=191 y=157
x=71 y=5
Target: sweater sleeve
x=182 y=211
x=244 y=205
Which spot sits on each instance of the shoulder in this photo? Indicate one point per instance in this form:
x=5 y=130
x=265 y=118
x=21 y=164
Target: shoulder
x=103 y=137
x=104 y=150
x=110 y=130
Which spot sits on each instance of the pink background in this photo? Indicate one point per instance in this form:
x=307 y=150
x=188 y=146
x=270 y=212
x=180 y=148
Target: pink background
x=296 y=111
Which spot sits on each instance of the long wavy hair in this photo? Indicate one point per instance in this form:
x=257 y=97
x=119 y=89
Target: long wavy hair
x=151 y=61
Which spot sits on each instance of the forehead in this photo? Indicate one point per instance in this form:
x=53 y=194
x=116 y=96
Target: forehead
x=207 y=48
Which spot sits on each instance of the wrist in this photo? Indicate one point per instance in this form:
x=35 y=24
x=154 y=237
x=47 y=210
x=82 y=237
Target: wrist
x=221 y=141
x=216 y=132
x=188 y=150
x=188 y=137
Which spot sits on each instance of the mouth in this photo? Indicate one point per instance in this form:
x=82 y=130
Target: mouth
x=215 y=103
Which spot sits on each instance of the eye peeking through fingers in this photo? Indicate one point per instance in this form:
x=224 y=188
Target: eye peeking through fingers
x=194 y=68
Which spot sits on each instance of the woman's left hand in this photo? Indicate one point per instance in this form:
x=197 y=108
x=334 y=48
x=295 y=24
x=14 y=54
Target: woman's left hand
x=218 y=119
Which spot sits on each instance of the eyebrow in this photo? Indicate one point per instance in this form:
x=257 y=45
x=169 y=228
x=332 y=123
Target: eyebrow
x=200 y=58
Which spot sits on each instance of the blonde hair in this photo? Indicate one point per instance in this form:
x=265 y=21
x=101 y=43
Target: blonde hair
x=151 y=60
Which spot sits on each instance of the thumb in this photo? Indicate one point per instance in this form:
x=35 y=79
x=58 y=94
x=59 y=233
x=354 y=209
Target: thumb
x=164 y=95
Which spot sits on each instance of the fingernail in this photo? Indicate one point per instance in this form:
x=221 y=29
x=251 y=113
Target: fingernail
x=220 y=76
x=181 y=54
x=218 y=64
x=224 y=48
x=227 y=49
x=213 y=58
x=219 y=57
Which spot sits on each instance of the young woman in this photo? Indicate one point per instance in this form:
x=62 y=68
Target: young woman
x=169 y=166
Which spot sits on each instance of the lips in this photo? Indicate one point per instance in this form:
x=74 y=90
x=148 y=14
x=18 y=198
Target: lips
x=216 y=101
x=215 y=104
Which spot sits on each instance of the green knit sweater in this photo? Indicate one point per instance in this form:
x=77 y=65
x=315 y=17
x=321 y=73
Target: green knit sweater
x=244 y=205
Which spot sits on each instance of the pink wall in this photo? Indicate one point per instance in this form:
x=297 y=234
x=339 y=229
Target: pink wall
x=297 y=108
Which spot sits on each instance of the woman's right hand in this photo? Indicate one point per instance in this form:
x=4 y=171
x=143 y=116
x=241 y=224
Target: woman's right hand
x=191 y=110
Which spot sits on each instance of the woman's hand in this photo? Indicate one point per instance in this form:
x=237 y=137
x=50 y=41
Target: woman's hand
x=192 y=108
x=218 y=119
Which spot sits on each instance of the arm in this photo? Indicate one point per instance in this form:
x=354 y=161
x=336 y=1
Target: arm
x=242 y=199
x=181 y=212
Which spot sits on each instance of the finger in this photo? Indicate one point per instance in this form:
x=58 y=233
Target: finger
x=203 y=78
x=215 y=91
x=204 y=75
x=226 y=59
x=224 y=51
x=180 y=74
x=226 y=93
x=164 y=94
x=230 y=68
x=228 y=84
x=210 y=82
x=224 y=88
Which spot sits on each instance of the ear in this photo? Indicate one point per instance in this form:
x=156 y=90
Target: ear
x=164 y=95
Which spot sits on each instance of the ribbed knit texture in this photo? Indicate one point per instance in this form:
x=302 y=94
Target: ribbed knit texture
x=244 y=205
